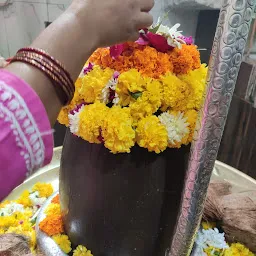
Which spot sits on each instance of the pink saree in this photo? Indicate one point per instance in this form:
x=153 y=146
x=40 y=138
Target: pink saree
x=26 y=141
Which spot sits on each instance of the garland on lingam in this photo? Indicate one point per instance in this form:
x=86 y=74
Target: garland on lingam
x=17 y=217
x=147 y=93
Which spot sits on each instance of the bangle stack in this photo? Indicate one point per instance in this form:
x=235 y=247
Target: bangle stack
x=53 y=69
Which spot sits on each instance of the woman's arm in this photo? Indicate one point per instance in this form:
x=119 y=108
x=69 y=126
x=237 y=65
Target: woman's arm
x=86 y=25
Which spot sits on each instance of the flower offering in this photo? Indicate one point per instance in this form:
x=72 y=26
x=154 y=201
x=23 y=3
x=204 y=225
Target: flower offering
x=146 y=92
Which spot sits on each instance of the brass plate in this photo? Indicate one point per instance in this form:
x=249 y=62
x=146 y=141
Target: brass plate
x=50 y=174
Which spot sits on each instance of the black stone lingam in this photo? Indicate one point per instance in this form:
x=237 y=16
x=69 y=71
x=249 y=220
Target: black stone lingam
x=123 y=204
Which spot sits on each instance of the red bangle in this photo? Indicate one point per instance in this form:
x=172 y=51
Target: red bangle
x=53 y=69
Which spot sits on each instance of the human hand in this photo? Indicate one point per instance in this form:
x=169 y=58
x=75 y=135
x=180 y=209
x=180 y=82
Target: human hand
x=113 y=21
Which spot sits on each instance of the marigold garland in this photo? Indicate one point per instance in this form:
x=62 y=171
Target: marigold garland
x=148 y=61
x=117 y=131
x=151 y=134
x=93 y=83
x=91 y=120
x=147 y=79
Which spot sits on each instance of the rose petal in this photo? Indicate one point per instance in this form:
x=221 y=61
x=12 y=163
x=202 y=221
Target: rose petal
x=116 y=50
x=158 y=42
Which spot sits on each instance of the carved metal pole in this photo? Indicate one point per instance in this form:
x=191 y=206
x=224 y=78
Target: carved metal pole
x=228 y=47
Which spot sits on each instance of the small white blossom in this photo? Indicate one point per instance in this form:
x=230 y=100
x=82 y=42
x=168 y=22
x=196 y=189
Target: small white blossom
x=172 y=34
x=74 y=120
x=111 y=86
x=36 y=200
x=209 y=238
x=176 y=125
x=11 y=208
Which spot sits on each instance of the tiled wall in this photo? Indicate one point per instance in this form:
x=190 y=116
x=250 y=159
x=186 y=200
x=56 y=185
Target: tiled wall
x=22 y=20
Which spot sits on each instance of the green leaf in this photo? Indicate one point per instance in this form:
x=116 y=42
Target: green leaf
x=155 y=29
x=33 y=221
x=136 y=95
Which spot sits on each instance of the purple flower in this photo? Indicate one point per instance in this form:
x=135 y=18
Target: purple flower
x=188 y=40
x=116 y=74
x=88 y=68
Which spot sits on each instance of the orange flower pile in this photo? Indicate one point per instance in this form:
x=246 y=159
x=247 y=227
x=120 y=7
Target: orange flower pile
x=56 y=199
x=148 y=61
x=185 y=59
x=52 y=225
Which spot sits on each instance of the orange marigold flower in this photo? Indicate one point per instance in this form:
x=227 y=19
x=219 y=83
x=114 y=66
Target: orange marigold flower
x=185 y=59
x=147 y=60
x=56 y=199
x=52 y=225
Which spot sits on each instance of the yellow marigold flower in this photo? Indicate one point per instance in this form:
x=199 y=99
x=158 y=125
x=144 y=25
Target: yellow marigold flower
x=63 y=116
x=238 y=249
x=191 y=116
x=24 y=215
x=185 y=59
x=149 y=102
x=208 y=225
x=175 y=93
x=24 y=199
x=82 y=251
x=2 y=231
x=91 y=121
x=94 y=82
x=63 y=242
x=210 y=251
x=130 y=82
x=32 y=242
x=117 y=130
x=4 y=203
x=53 y=209
x=44 y=189
x=151 y=134
x=77 y=99
x=8 y=221
x=196 y=80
